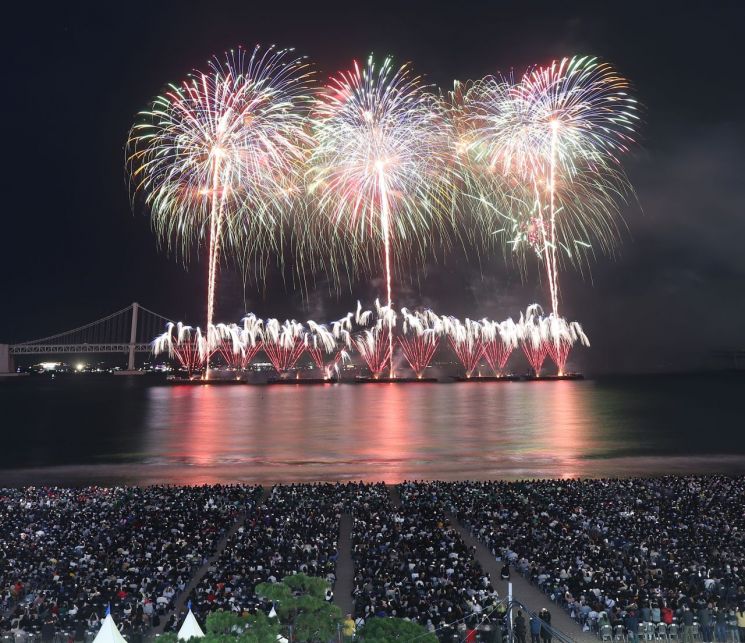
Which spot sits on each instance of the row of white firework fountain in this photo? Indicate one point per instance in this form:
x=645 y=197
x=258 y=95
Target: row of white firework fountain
x=373 y=334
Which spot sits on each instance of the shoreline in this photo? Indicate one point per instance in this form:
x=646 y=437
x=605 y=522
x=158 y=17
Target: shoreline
x=275 y=473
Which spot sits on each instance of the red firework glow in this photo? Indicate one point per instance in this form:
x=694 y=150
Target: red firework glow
x=419 y=350
x=559 y=352
x=469 y=353
x=319 y=357
x=496 y=353
x=190 y=355
x=536 y=354
x=374 y=346
x=284 y=355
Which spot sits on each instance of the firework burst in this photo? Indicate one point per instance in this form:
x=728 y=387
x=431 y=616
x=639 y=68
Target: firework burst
x=283 y=344
x=533 y=336
x=420 y=338
x=546 y=154
x=219 y=156
x=499 y=340
x=185 y=344
x=380 y=171
x=327 y=347
x=562 y=335
x=466 y=341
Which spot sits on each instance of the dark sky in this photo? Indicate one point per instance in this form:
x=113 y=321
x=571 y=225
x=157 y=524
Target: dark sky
x=72 y=249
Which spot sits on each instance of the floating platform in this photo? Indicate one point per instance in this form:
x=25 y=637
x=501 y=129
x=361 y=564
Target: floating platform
x=489 y=378
x=198 y=381
x=396 y=380
x=553 y=378
x=302 y=381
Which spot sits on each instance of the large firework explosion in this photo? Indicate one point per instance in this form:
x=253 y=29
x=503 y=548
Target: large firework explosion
x=239 y=155
x=380 y=171
x=543 y=157
x=219 y=156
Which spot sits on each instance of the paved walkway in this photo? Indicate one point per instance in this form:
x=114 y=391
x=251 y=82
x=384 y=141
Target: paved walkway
x=344 y=568
x=201 y=572
x=522 y=590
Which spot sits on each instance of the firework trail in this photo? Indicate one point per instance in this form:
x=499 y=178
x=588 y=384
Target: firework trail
x=184 y=343
x=375 y=344
x=533 y=333
x=380 y=171
x=220 y=155
x=283 y=344
x=251 y=336
x=499 y=340
x=225 y=339
x=562 y=335
x=328 y=347
x=420 y=338
x=466 y=341
x=553 y=141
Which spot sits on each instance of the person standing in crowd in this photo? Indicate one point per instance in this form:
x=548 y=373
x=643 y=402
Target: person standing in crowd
x=349 y=628
x=48 y=630
x=687 y=621
x=505 y=572
x=645 y=614
x=704 y=619
x=656 y=615
x=519 y=627
x=535 y=629
x=720 y=624
x=741 y=622
x=632 y=626
x=545 y=617
x=667 y=615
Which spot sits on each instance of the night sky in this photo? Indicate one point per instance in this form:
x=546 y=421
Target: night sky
x=73 y=249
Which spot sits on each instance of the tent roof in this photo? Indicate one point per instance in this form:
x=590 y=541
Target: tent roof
x=190 y=628
x=109 y=632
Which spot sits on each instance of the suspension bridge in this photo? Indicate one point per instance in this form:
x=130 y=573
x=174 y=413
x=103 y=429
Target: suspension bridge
x=127 y=331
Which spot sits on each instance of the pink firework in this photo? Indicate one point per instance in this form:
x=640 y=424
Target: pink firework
x=499 y=339
x=466 y=340
x=562 y=335
x=419 y=350
x=374 y=347
x=536 y=355
x=496 y=354
x=325 y=346
x=420 y=338
x=283 y=344
x=185 y=344
x=533 y=333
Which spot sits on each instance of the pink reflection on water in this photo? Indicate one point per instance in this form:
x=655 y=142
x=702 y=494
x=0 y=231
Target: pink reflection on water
x=387 y=432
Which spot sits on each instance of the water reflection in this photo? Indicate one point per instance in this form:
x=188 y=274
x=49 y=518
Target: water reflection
x=194 y=434
x=385 y=431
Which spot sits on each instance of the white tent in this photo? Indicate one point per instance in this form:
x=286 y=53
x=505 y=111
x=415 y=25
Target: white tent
x=109 y=632
x=190 y=629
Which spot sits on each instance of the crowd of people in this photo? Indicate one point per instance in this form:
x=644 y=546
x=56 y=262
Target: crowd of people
x=411 y=563
x=68 y=555
x=296 y=530
x=618 y=552
x=614 y=553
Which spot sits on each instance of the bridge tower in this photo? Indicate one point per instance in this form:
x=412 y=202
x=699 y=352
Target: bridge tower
x=105 y=335
x=133 y=342
x=5 y=360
